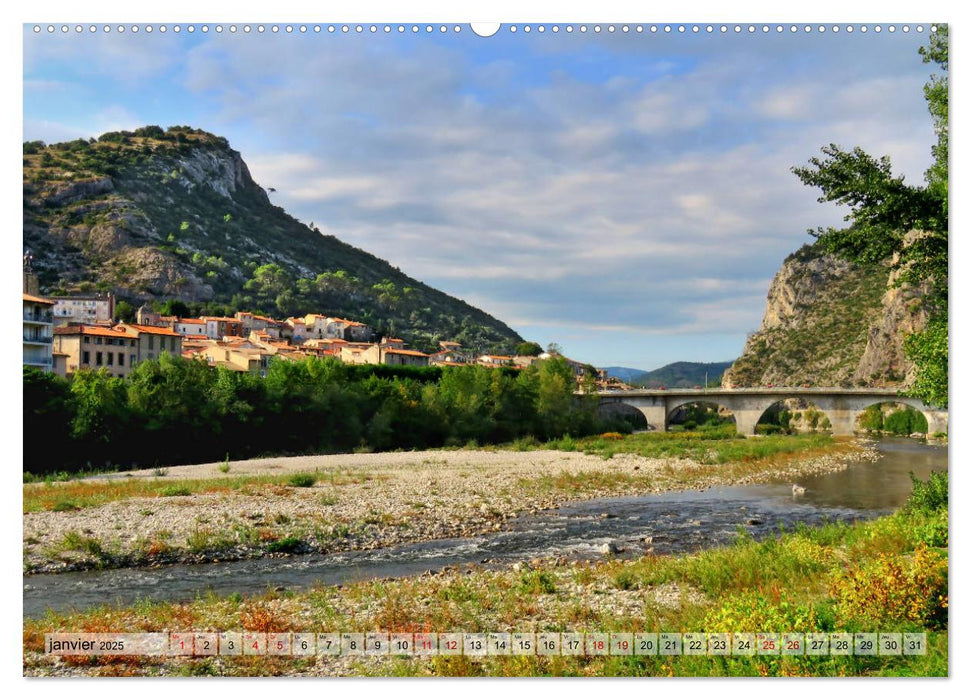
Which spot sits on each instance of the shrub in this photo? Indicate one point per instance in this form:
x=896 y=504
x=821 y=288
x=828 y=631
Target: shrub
x=933 y=533
x=525 y=444
x=302 y=480
x=928 y=496
x=175 y=491
x=564 y=444
x=893 y=590
x=625 y=579
x=537 y=582
x=64 y=506
x=288 y=545
x=755 y=611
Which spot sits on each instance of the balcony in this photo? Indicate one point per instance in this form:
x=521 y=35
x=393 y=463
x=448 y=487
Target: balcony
x=45 y=363
x=38 y=338
x=39 y=317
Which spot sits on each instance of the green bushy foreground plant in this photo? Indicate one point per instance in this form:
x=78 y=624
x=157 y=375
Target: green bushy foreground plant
x=928 y=497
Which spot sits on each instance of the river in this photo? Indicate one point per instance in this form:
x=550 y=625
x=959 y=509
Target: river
x=664 y=524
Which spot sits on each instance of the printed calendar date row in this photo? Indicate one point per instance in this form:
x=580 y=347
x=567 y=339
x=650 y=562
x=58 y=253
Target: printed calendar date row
x=487 y=644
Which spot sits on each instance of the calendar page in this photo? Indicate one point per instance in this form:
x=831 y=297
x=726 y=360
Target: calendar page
x=525 y=348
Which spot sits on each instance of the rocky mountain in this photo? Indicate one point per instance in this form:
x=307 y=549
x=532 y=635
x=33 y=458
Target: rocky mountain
x=829 y=322
x=157 y=214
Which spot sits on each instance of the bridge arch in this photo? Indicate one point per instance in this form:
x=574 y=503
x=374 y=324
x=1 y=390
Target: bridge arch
x=675 y=408
x=808 y=413
x=936 y=420
x=622 y=411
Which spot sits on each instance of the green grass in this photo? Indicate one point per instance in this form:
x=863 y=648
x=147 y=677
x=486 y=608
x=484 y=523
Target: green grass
x=86 y=494
x=302 y=480
x=707 y=446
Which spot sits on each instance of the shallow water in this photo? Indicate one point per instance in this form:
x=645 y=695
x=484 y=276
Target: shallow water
x=665 y=523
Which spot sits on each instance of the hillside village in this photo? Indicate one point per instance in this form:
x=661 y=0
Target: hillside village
x=67 y=334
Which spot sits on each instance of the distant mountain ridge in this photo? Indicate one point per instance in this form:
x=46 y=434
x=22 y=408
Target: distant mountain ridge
x=157 y=214
x=676 y=375
x=624 y=374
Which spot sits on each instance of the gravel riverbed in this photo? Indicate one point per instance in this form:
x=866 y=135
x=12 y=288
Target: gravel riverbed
x=362 y=501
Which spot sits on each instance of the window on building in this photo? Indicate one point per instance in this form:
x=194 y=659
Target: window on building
x=131 y=360
x=121 y=359
x=98 y=360
x=151 y=342
x=87 y=358
x=98 y=341
x=111 y=359
x=87 y=339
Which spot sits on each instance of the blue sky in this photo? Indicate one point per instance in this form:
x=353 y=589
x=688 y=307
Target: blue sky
x=627 y=196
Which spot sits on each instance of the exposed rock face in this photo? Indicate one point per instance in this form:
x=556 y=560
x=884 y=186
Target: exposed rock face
x=904 y=312
x=75 y=191
x=223 y=171
x=829 y=322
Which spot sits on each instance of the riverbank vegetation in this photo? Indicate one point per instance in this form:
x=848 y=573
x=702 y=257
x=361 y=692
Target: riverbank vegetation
x=884 y=575
x=708 y=445
x=179 y=411
x=897 y=421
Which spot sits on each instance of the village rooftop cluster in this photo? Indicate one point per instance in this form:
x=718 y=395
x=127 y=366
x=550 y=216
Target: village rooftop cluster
x=67 y=334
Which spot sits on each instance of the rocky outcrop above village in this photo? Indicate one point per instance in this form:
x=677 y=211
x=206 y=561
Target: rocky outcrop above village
x=829 y=322
x=174 y=214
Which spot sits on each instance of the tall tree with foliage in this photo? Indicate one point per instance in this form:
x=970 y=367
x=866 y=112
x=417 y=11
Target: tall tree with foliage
x=905 y=223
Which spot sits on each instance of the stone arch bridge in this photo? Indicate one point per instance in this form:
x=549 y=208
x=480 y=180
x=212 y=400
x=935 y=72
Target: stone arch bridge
x=841 y=406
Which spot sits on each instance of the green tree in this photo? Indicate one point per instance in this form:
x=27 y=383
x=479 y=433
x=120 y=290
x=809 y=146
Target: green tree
x=48 y=413
x=905 y=223
x=101 y=416
x=176 y=307
x=269 y=282
x=872 y=418
x=125 y=312
x=529 y=349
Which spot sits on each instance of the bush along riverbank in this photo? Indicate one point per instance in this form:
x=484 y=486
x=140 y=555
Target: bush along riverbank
x=886 y=575
x=330 y=503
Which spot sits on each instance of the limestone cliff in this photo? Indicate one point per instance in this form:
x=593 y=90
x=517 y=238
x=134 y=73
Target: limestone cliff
x=829 y=322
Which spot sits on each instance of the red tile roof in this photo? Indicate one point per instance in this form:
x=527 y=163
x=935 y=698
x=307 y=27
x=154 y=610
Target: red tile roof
x=93 y=330
x=412 y=353
x=151 y=330
x=37 y=300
